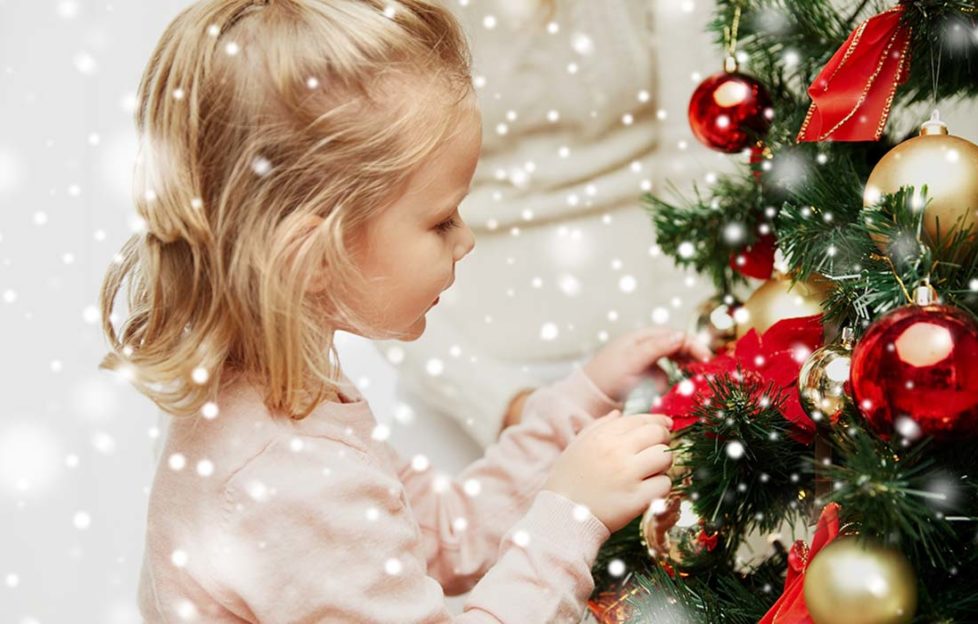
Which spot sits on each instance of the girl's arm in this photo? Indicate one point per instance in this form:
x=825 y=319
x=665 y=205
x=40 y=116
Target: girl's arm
x=463 y=519
x=326 y=534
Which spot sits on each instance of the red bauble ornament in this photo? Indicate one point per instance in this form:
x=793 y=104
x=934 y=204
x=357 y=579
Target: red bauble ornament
x=730 y=111
x=755 y=260
x=914 y=371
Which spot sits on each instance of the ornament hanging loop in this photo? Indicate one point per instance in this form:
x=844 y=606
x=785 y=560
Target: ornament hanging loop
x=934 y=125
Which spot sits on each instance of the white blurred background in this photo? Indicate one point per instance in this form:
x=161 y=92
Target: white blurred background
x=76 y=445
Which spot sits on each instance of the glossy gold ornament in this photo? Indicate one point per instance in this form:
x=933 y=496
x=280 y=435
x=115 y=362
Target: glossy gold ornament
x=823 y=378
x=666 y=525
x=716 y=321
x=946 y=164
x=778 y=299
x=849 y=582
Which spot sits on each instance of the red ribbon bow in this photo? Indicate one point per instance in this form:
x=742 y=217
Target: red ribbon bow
x=851 y=97
x=774 y=358
x=790 y=607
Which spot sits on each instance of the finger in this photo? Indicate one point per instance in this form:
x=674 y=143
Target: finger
x=626 y=425
x=661 y=346
x=655 y=487
x=655 y=333
x=654 y=460
x=664 y=420
x=647 y=436
x=695 y=347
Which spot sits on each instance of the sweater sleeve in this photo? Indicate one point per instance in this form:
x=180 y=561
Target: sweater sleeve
x=463 y=519
x=325 y=534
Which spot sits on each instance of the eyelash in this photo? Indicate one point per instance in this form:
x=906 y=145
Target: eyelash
x=447 y=225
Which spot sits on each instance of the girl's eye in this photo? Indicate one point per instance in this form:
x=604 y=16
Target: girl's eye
x=447 y=225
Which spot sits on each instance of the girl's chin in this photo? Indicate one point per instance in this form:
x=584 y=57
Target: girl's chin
x=415 y=330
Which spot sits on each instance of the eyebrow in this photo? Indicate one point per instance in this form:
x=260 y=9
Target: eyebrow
x=452 y=204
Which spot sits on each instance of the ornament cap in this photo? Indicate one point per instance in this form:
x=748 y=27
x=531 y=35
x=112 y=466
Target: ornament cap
x=924 y=295
x=848 y=337
x=934 y=126
x=730 y=64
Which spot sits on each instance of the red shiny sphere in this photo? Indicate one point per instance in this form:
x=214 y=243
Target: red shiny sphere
x=919 y=362
x=730 y=111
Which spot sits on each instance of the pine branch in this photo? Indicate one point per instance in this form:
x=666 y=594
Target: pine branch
x=720 y=596
x=759 y=490
x=943 y=51
x=697 y=232
x=892 y=494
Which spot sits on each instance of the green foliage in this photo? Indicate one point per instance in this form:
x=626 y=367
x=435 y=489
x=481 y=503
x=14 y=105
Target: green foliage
x=922 y=496
x=758 y=490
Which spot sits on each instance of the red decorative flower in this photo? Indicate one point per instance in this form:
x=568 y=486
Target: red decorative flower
x=772 y=359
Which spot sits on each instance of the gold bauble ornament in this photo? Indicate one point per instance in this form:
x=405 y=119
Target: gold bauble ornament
x=946 y=164
x=778 y=299
x=851 y=582
x=668 y=524
x=823 y=378
x=715 y=322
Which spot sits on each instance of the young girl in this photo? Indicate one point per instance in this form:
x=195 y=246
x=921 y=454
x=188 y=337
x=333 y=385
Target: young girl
x=300 y=171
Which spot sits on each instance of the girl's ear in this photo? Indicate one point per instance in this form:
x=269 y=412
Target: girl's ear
x=297 y=237
x=311 y=226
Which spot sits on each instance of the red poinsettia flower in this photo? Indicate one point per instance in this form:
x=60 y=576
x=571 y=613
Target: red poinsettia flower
x=774 y=358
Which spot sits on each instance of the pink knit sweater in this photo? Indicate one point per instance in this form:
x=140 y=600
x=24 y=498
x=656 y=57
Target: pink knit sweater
x=255 y=517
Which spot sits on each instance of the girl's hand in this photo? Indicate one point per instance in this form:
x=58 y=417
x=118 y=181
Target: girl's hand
x=618 y=367
x=616 y=466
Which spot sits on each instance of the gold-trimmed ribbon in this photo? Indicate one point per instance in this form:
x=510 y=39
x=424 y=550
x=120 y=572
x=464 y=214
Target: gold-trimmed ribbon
x=852 y=95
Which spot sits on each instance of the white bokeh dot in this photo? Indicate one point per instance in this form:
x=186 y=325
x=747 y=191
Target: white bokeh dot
x=435 y=367
x=200 y=375
x=420 y=463
x=205 y=467
x=581 y=513
x=393 y=566
x=381 y=432
x=177 y=461
x=627 y=283
x=209 y=410
x=179 y=558
x=549 y=331
x=82 y=520
x=472 y=487
x=735 y=449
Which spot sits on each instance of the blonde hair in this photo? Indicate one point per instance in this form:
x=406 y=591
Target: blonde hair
x=257 y=120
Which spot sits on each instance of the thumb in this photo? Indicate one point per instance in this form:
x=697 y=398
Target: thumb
x=597 y=422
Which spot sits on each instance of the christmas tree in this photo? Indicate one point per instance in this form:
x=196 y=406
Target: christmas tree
x=844 y=396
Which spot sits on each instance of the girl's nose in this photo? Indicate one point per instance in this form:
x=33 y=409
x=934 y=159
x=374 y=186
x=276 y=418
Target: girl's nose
x=465 y=243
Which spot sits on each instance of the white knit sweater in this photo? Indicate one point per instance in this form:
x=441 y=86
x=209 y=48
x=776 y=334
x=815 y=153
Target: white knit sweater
x=554 y=100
